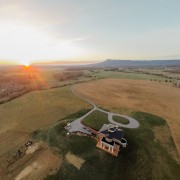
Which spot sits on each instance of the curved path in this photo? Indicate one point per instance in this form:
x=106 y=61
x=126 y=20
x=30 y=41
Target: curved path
x=78 y=126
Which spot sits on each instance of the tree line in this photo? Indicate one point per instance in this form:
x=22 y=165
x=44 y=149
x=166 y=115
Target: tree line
x=66 y=75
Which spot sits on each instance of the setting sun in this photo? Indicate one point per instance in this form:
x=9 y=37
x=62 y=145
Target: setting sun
x=25 y=63
x=22 y=41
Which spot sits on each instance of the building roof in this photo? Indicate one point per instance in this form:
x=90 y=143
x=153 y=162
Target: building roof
x=104 y=140
x=112 y=132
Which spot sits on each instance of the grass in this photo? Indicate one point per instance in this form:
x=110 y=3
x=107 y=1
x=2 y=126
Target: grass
x=96 y=120
x=120 y=120
x=48 y=75
x=144 y=158
x=150 y=119
x=151 y=153
x=76 y=114
x=130 y=75
x=35 y=110
x=40 y=109
x=153 y=97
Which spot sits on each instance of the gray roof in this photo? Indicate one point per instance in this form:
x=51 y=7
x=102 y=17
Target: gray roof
x=117 y=134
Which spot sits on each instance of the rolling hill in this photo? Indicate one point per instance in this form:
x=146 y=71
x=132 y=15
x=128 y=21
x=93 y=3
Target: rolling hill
x=135 y=63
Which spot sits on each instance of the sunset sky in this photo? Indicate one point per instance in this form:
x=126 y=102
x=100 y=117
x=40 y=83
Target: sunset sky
x=81 y=30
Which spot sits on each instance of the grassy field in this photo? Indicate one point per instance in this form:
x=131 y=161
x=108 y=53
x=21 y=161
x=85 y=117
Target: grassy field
x=48 y=76
x=96 y=120
x=131 y=75
x=17 y=81
x=49 y=111
x=35 y=110
x=153 y=97
x=39 y=109
x=120 y=120
x=148 y=155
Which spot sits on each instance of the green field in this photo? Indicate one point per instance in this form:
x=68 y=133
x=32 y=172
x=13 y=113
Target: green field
x=135 y=74
x=120 y=120
x=39 y=109
x=96 y=120
x=130 y=75
x=148 y=155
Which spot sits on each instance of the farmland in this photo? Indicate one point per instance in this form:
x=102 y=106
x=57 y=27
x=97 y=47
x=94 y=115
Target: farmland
x=38 y=109
x=153 y=97
x=34 y=110
x=152 y=74
x=17 y=81
x=40 y=115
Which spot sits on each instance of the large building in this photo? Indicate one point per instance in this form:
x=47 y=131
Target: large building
x=110 y=139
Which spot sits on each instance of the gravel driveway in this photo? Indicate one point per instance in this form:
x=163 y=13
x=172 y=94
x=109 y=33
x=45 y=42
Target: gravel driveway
x=76 y=125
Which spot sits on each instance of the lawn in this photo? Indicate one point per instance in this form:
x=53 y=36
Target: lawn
x=96 y=120
x=120 y=120
x=146 y=157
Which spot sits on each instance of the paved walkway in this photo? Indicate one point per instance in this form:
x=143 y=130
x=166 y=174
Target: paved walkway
x=76 y=125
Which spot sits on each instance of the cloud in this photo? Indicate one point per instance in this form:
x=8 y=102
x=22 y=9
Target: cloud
x=22 y=42
x=29 y=12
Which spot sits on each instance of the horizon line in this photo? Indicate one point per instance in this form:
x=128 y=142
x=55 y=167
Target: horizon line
x=82 y=62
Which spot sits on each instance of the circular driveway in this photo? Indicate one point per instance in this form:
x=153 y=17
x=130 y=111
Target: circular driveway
x=76 y=125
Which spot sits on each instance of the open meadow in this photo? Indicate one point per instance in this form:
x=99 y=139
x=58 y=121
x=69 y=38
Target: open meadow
x=40 y=116
x=152 y=97
x=16 y=81
x=149 y=74
x=32 y=111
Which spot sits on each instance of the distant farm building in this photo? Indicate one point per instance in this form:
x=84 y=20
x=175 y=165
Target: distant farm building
x=110 y=139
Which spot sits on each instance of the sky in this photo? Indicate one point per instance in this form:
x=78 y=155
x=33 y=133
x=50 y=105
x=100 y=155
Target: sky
x=81 y=30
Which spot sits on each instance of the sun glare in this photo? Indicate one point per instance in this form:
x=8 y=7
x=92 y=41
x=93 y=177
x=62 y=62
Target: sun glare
x=25 y=63
x=20 y=41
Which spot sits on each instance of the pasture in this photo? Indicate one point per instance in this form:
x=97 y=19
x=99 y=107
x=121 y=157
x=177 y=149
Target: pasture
x=39 y=109
x=34 y=110
x=152 y=97
x=137 y=75
x=47 y=112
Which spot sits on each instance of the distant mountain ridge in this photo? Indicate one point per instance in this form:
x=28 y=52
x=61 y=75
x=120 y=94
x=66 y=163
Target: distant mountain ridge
x=136 y=63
